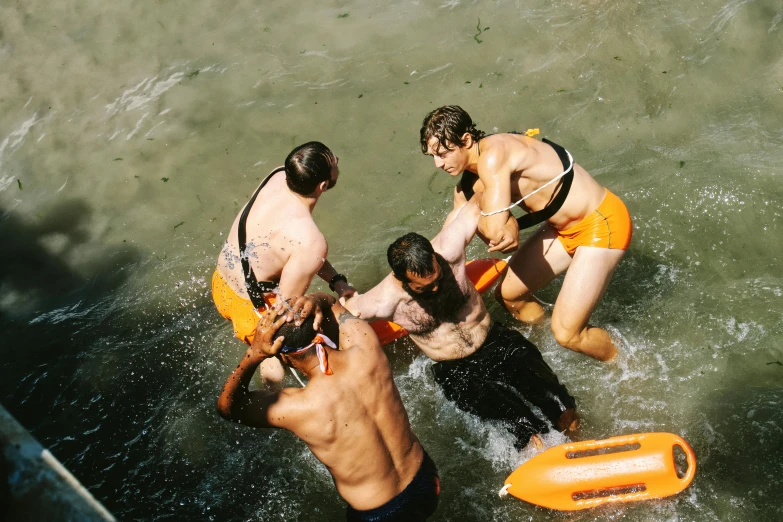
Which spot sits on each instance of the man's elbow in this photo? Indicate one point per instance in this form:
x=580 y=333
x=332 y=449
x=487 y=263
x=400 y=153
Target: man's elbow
x=351 y=305
x=492 y=233
x=224 y=408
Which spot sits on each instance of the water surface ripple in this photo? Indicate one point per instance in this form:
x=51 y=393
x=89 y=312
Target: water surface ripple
x=131 y=134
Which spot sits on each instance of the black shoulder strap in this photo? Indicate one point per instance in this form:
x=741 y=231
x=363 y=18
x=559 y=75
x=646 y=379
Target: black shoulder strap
x=534 y=218
x=255 y=288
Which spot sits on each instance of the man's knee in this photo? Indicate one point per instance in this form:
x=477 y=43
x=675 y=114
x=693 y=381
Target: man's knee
x=505 y=296
x=566 y=336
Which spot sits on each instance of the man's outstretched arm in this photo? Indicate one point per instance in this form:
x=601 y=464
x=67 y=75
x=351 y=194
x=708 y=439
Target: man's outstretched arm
x=510 y=229
x=377 y=303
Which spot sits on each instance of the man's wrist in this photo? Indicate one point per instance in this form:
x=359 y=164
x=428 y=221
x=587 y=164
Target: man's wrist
x=256 y=356
x=335 y=279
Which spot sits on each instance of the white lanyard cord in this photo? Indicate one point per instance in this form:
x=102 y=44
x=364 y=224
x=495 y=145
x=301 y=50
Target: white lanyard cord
x=545 y=185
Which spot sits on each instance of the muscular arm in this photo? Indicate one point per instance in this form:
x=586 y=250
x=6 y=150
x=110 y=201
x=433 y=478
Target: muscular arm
x=510 y=228
x=496 y=196
x=261 y=409
x=377 y=303
x=455 y=237
x=301 y=267
x=342 y=288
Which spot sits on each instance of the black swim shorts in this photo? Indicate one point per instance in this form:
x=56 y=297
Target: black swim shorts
x=506 y=380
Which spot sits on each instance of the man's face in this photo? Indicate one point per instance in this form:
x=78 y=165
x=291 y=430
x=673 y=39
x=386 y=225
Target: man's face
x=426 y=286
x=452 y=160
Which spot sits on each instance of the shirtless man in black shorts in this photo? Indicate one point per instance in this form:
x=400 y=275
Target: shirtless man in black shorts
x=485 y=368
x=350 y=413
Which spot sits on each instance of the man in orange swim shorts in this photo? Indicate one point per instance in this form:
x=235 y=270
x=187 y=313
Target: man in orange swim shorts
x=274 y=248
x=586 y=229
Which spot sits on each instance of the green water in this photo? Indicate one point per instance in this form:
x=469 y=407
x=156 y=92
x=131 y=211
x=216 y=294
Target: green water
x=132 y=133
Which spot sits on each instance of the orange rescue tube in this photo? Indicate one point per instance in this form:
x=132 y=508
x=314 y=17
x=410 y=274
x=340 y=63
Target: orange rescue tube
x=585 y=474
x=482 y=273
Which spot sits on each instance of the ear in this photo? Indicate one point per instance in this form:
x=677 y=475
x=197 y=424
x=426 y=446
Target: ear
x=467 y=139
x=323 y=186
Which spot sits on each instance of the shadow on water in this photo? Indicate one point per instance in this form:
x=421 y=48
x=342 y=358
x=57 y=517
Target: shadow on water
x=27 y=269
x=120 y=383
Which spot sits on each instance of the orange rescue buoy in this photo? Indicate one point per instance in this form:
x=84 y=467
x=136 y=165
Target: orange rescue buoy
x=481 y=272
x=585 y=474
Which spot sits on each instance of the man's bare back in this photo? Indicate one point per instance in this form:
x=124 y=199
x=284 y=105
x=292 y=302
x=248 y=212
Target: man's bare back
x=280 y=228
x=353 y=419
x=274 y=248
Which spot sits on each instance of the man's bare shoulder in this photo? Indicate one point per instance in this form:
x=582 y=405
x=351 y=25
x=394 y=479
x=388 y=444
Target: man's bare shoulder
x=500 y=153
x=293 y=407
x=303 y=235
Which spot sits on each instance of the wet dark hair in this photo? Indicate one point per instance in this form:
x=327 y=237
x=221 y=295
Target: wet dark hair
x=297 y=336
x=448 y=124
x=307 y=166
x=411 y=253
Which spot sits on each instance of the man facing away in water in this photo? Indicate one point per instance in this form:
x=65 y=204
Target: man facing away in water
x=350 y=413
x=485 y=368
x=586 y=228
x=274 y=248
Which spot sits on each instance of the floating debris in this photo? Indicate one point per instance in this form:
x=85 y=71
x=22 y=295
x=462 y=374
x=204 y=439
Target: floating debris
x=480 y=30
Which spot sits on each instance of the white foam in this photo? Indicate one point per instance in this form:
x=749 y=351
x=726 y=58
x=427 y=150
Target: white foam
x=143 y=93
x=14 y=140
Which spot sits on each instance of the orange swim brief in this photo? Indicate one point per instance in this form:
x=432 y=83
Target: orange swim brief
x=239 y=310
x=608 y=226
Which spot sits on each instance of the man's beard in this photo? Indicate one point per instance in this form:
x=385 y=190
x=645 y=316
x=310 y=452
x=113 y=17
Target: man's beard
x=444 y=304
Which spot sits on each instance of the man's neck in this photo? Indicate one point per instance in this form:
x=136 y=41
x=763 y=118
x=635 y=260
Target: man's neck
x=308 y=201
x=474 y=152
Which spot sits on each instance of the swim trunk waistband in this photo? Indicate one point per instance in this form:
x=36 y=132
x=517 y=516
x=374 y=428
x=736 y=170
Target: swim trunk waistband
x=416 y=502
x=608 y=226
x=238 y=310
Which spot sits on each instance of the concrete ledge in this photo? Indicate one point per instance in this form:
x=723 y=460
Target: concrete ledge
x=37 y=486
